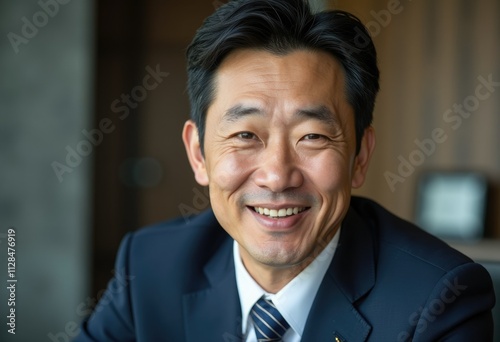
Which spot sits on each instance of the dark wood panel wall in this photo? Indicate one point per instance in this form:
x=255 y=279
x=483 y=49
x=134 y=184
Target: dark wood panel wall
x=141 y=174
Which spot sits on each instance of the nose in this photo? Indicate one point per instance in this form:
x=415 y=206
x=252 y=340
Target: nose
x=278 y=168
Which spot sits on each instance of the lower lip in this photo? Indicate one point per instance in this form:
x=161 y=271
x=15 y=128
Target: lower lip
x=278 y=224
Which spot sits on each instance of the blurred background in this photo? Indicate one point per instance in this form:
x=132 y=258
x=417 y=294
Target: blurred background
x=92 y=103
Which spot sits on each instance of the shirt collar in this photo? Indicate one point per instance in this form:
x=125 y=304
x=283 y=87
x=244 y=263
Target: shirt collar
x=294 y=301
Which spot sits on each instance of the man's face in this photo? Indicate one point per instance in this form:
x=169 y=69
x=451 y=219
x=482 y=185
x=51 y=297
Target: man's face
x=279 y=153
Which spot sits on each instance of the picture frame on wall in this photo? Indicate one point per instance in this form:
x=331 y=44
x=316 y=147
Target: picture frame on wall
x=452 y=204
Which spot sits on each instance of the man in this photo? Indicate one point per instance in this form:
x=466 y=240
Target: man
x=282 y=104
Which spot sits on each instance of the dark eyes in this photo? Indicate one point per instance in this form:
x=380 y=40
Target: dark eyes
x=252 y=136
x=246 y=135
x=312 y=136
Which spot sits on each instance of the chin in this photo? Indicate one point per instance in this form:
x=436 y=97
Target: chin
x=276 y=255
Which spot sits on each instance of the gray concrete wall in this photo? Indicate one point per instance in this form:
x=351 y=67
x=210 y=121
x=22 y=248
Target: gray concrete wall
x=45 y=102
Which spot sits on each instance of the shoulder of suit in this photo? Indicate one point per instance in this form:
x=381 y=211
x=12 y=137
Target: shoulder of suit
x=178 y=237
x=204 y=223
x=397 y=234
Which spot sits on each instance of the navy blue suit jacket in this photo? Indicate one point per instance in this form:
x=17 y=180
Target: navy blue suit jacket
x=388 y=281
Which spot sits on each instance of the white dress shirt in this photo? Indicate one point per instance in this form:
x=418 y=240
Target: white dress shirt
x=293 y=301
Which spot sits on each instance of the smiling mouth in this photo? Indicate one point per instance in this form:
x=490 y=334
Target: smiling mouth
x=279 y=213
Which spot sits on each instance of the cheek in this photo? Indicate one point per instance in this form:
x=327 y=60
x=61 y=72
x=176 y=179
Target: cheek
x=329 y=172
x=227 y=175
x=229 y=172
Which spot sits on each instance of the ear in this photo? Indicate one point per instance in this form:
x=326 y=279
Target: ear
x=191 y=141
x=362 y=159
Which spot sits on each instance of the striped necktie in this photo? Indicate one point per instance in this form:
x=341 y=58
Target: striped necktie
x=268 y=322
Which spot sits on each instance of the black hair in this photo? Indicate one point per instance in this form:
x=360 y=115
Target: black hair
x=280 y=27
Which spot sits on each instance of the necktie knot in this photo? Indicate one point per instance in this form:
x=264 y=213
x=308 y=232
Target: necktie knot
x=268 y=322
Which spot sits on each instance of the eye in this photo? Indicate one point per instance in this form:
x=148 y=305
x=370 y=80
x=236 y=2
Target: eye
x=312 y=136
x=246 y=135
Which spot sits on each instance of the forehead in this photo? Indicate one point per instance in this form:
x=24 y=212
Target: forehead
x=300 y=76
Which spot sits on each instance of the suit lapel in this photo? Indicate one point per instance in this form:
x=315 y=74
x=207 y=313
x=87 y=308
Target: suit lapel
x=351 y=275
x=214 y=314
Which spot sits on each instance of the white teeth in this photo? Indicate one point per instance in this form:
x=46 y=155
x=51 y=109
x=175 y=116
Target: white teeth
x=283 y=212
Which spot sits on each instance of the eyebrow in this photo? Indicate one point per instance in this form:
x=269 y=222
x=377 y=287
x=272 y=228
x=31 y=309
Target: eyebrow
x=239 y=111
x=320 y=113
